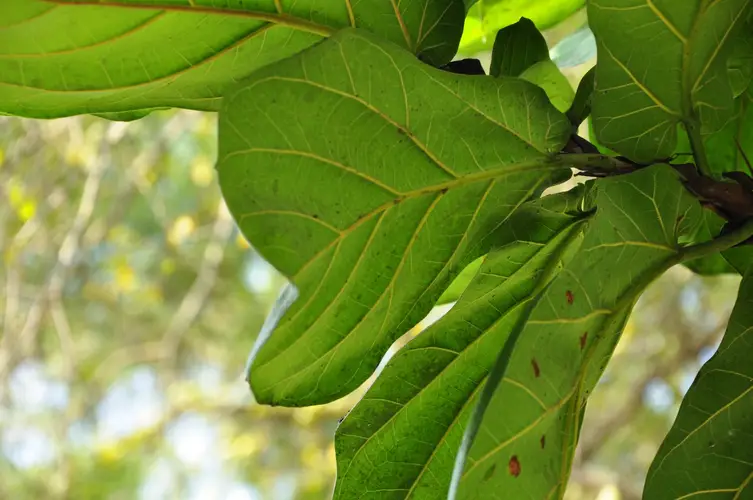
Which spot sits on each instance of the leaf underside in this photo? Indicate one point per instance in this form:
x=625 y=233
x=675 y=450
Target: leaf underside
x=404 y=434
x=527 y=426
x=665 y=66
x=343 y=170
x=708 y=453
x=67 y=57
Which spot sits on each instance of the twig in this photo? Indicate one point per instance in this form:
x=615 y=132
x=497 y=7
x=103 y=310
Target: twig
x=15 y=344
x=188 y=311
x=194 y=300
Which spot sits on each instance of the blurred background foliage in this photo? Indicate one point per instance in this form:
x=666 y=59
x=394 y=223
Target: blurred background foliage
x=129 y=304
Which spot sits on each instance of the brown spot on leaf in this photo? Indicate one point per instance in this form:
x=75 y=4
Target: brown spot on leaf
x=444 y=190
x=514 y=466
x=489 y=472
x=583 y=339
x=536 y=369
x=569 y=296
x=542 y=442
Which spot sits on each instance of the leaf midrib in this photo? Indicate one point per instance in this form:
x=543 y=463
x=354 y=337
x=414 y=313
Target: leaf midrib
x=540 y=164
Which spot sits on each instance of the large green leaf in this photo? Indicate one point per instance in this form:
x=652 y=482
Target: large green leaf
x=548 y=76
x=708 y=453
x=580 y=108
x=486 y=17
x=371 y=180
x=460 y=283
x=662 y=64
x=516 y=48
x=527 y=428
x=729 y=147
x=520 y=50
x=66 y=57
x=404 y=434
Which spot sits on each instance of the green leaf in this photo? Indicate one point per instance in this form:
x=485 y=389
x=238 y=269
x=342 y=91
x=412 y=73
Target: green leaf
x=740 y=64
x=66 y=57
x=548 y=76
x=404 y=434
x=516 y=48
x=662 y=64
x=580 y=108
x=708 y=453
x=728 y=148
x=371 y=180
x=563 y=349
x=128 y=116
x=486 y=17
x=709 y=227
x=520 y=50
x=459 y=284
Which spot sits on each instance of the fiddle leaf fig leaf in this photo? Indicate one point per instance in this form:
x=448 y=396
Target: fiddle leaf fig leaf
x=665 y=66
x=581 y=104
x=66 y=57
x=417 y=409
x=548 y=76
x=520 y=50
x=516 y=48
x=548 y=367
x=345 y=172
x=459 y=284
x=712 y=433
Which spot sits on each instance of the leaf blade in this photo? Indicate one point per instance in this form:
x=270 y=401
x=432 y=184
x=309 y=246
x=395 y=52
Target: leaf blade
x=136 y=55
x=372 y=257
x=711 y=432
x=436 y=377
x=640 y=100
x=570 y=336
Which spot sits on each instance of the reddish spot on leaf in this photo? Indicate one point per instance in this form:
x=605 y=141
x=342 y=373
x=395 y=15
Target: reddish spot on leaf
x=536 y=370
x=583 y=340
x=514 y=466
x=569 y=296
x=489 y=472
x=542 y=441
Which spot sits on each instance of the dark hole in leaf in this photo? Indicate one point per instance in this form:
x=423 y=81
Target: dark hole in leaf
x=542 y=441
x=583 y=339
x=536 y=370
x=489 y=472
x=569 y=296
x=514 y=466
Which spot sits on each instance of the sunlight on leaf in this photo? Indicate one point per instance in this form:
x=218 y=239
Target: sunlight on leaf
x=130 y=56
x=308 y=149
